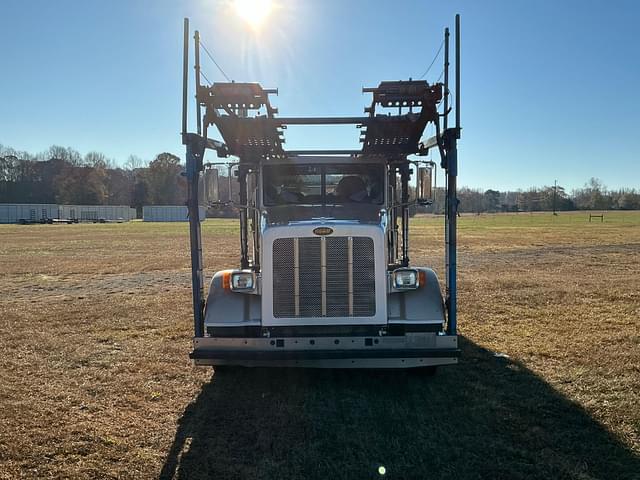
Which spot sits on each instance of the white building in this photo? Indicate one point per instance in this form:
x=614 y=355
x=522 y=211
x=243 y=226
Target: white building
x=40 y=212
x=169 y=213
x=27 y=212
x=89 y=213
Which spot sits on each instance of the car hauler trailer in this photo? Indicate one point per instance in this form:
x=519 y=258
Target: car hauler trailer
x=325 y=278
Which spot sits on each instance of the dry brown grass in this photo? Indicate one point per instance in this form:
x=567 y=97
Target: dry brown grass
x=95 y=381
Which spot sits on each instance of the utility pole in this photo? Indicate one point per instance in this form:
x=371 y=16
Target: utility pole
x=555 y=194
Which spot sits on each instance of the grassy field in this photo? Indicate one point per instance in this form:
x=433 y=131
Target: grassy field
x=95 y=381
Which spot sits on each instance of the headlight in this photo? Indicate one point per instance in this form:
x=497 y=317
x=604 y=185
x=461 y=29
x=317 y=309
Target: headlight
x=242 y=281
x=406 y=279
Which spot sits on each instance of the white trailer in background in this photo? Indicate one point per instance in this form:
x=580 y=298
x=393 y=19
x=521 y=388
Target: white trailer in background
x=27 y=212
x=95 y=213
x=169 y=213
x=49 y=212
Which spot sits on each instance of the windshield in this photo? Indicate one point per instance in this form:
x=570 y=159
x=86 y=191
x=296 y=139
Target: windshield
x=323 y=184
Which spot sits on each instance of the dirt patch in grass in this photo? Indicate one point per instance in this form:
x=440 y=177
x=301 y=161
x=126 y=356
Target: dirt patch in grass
x=95 y=381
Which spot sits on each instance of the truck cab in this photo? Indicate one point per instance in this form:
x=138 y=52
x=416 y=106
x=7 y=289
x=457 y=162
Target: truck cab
x=325 y=265
x=324 y=252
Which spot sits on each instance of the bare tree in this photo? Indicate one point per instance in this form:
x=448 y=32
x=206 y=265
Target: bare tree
x=134 y=162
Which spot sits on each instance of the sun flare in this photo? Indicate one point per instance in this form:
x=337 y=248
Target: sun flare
x=254 y=12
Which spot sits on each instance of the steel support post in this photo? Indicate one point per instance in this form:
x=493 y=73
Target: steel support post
x=404 y=180
x=452 y=224
x=244 y=244
x=196 y=67
x=185 y=79
x=445 y=124
x=195 y=152
x=451 y=148
x=446 y=78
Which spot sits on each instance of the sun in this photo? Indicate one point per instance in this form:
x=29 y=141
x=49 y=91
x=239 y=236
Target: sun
x=254 y=12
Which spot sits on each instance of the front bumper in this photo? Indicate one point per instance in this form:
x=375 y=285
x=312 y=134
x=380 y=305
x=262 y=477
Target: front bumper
x=407 y=351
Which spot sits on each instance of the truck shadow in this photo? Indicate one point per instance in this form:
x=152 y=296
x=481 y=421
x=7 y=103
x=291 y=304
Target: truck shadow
x=488 y=417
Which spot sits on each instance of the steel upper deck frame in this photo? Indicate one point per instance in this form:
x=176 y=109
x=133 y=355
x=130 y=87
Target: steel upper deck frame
x=227 y=107
x=259 y=137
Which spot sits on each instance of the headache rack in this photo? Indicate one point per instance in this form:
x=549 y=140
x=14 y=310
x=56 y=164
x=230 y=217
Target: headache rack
x=392 y=127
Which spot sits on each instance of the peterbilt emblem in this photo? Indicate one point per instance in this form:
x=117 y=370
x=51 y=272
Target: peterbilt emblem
x=323 y=231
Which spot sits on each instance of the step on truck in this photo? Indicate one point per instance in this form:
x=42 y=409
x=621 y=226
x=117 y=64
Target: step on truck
x=324 y=278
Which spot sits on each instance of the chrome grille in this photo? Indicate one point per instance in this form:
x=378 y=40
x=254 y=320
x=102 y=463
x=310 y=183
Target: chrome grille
x=323 y=277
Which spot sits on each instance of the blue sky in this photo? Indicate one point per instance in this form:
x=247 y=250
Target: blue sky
x=550 y=88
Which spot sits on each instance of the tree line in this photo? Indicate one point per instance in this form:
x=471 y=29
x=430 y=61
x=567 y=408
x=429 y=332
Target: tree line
x=62 y=175
x=594 y=195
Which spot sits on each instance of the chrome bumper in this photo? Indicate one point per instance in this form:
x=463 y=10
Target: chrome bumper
x=408 y=351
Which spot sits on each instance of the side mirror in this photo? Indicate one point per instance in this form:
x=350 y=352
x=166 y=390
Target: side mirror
x=424 y=187
x=211 y=190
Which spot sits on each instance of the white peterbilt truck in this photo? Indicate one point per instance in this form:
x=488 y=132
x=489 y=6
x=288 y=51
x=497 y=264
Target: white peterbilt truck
x=325 y=278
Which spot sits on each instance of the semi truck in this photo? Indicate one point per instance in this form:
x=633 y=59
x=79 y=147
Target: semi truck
x=324 y=277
